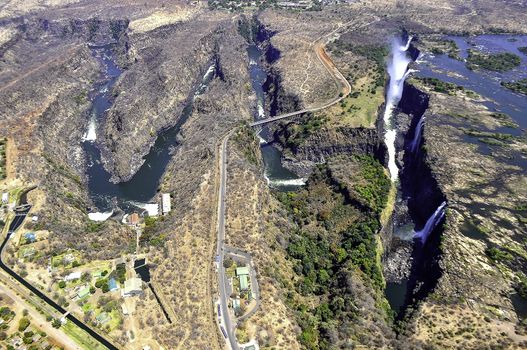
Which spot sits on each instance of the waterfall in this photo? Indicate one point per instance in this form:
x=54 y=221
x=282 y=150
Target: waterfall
x=91 y=134
x=398 y=71
x=209 y=74
x=417 y=135
x=431 y=223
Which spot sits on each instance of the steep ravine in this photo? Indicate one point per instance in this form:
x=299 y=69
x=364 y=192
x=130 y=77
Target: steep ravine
x=419 y=197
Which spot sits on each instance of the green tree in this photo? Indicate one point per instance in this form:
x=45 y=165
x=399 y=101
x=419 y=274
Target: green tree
x=56 y=323
x=23 y=324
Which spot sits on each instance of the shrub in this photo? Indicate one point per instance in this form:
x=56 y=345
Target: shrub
x=23 y=324
x=498 y=255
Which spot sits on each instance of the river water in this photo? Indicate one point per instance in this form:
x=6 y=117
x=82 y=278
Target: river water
x=143 y=186
x=276 y=175
x=485 y=83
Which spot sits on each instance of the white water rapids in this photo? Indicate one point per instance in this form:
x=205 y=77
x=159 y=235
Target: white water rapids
x=289 y=182
x=90 y=134
x=398 y=71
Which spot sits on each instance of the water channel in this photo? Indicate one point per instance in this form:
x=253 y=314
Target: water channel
x=277 y=176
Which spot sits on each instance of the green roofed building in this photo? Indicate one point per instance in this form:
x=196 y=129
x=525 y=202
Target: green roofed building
x=244 y=282
x=84 y=292
x=241 y=271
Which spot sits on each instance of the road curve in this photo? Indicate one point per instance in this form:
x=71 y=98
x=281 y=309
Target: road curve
x=333 y=71
x=337 y=76
x=220 y=245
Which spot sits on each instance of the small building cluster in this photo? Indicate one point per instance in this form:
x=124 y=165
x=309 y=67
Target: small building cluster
x=132 y=287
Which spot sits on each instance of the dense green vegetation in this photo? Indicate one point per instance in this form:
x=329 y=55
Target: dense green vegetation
x=247 y=142
x=23 y=324
x=521 y=287
x=81 y=98
x=295 y=134
x=444 y=87
x=498 y=62
x=376 y=54
x=504 y=119
x=335 y=241
x=498 y=255
x=517 y=86
x=371 y=184
x=150 y=234
x=120 y=273
x=491 y=138
x=446 y=46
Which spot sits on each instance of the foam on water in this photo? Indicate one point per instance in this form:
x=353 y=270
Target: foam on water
x=98 y=216
x=285 y=182
x=151 y=208
x=91 y=134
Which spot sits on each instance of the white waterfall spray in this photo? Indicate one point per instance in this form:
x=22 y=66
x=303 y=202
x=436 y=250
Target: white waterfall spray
x=417 y=135
x=206 y=77
x=398 y=71
x=431 y=223
x=289 y=182
x=91 y=134
x=261 y=110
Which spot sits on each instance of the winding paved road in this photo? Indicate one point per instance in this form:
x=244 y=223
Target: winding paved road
x=220 y=247
x=331 y=68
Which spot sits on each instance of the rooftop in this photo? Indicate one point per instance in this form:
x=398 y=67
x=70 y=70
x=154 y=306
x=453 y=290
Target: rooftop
x=244 y=283
x=83 y=292
x=240 y=271
x=132 y=285
x=73 y=276
x=134 y=219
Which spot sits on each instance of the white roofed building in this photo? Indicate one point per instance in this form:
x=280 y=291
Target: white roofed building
x=165 y=203
x=73 y=276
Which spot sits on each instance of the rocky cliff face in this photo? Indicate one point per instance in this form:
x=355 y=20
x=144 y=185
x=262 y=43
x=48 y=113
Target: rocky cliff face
x=325 y=143
x=48 y=71
x=168 y=66
x=460 y=272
